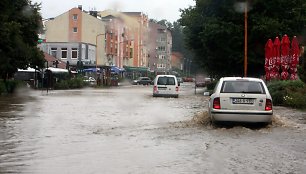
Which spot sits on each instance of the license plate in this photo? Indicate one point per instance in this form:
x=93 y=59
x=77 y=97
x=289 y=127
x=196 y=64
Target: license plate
x=243 y=101
x=162 y=88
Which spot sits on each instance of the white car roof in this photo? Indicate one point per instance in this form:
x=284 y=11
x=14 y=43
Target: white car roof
x=165 y=75
x=241 y=78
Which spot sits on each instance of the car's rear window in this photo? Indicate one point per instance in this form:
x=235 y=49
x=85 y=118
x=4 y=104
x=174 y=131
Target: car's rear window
x=166 y=81
x=244 y=86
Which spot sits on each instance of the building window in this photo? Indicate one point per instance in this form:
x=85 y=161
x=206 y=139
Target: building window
x=162 y=56
x=75 y=17
x=161 y=30
x=74 y=53
x=53 y=52
x=83 y=53
x=161 y=65
x=64 y=53
x=161 y=48
x=131 y=52
x=75 y=29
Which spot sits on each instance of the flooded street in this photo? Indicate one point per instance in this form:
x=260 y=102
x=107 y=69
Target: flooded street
x=126 y=130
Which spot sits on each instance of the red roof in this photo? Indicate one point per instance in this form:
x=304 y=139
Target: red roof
x=51 y=59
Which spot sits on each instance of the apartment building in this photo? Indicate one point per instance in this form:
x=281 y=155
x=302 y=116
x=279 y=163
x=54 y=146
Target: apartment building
x=75 y=36
x=141 y=38
x=134 y=27
x=159 y=48
x=119 y=45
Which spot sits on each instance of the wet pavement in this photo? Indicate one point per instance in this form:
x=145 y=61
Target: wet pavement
x=126 y=130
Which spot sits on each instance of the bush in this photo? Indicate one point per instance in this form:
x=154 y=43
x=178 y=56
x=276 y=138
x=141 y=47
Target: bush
x=211 y=85
x=287 y=93
x=296 y=99
x=70 y=84
x=62 y=85
x=2 y=87
x=10 y=86
x=302 y=70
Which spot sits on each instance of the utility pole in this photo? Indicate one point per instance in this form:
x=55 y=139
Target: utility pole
x=245 y=38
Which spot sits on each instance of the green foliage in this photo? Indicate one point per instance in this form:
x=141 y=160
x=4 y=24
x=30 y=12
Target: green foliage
x=296 y=99
x=62 y=85
x=20 y=23
x=165 y=23
x=2 y=88
x=214 y=31
x=288 y=93
x=9 y=86
x=211 y=85
x=74 y=83
x=302 y=71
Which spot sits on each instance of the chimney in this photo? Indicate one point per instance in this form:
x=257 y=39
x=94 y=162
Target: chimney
x=80 y=7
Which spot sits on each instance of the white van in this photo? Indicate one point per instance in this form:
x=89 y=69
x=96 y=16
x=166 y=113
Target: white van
x=165 y=85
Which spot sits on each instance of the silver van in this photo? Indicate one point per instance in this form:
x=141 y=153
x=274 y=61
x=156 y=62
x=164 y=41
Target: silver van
x=165 y=85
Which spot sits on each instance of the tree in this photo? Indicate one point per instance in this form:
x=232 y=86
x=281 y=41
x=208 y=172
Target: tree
x=177 y=37
x=165 y=23
x=178 y=42
x=21 y=23
x=214 y=31
x=302 y=70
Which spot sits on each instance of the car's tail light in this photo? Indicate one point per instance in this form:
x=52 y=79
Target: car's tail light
x=176 y=88
x=216 y=103
x=155 y=88
x=268 y=105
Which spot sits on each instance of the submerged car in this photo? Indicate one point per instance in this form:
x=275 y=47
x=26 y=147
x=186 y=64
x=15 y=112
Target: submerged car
x=142 y=81
x=240 y=99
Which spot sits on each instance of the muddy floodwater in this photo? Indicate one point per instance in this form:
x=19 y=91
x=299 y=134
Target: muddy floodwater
x=126 y=130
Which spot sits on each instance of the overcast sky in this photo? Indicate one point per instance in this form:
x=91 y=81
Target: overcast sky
x=155 y=9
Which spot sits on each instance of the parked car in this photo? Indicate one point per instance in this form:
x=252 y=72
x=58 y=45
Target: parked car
x=240 y=99
x=165 y=85
x=188 y=79
x=202 y=82
x=142 y=81
x=180 y=79
x=90 y=80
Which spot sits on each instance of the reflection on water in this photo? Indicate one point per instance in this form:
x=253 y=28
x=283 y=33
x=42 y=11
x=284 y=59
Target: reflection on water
x=15 y=144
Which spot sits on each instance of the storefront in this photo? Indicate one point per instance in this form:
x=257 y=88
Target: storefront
x=135 y=72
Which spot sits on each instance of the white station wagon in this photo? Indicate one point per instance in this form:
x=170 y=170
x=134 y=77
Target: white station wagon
x=240 y=99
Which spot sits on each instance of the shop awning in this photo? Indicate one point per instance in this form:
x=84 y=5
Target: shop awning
x=117 y=70
x=137 y=69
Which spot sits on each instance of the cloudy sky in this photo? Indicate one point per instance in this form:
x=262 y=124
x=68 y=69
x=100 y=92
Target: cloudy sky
x=155 y=9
